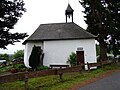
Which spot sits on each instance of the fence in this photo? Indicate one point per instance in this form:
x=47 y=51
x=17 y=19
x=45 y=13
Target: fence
x=59 y=71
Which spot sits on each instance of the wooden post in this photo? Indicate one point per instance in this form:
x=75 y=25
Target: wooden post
x=60 y=73
x=26 y=83
x=56 y=71
x=101 y=64
x=88 y=66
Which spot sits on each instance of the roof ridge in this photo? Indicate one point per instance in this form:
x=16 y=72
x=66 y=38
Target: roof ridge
x=56 y=23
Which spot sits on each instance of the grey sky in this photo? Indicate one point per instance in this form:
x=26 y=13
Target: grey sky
x=41 y=12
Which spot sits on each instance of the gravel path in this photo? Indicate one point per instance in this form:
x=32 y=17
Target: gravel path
x=109 y=83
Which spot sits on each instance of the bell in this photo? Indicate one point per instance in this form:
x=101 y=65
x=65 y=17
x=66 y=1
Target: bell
x=68 y=16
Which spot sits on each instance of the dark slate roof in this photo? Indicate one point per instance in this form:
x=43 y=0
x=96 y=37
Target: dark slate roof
x=59 y=31
x=69 y=8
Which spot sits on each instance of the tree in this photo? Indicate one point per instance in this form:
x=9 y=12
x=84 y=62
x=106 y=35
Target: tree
x=36 y=57
x=10 y=12
x=19 y=54
x=102 y=18
x=114 y=10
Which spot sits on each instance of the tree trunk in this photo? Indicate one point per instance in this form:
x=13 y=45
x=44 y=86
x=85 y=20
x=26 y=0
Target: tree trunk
x=103 y=52
x=102 y=35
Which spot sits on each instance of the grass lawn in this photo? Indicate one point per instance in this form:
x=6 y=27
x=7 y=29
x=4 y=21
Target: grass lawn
x=53 y=82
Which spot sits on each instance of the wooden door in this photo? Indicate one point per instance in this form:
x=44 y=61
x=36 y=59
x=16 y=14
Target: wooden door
x=80 y=58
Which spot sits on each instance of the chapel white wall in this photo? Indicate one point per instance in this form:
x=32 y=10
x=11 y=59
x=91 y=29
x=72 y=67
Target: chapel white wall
x=57 y=52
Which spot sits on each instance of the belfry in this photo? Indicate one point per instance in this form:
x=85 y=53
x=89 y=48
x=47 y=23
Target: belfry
x=69 y=13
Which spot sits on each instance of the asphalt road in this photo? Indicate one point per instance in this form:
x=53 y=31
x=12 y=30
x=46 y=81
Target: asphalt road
x=109 y=83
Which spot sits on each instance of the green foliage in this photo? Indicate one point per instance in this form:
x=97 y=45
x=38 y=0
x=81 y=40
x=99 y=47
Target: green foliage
x=72 y=59
x=19 y=67
x=36 y=57
x=97 y=50
x=4 y=57
x=5 y=69
x=113 y=49
x=52 y=82
x=10 y=12
x=19 y=54
x=42 y=67
x=102 y=18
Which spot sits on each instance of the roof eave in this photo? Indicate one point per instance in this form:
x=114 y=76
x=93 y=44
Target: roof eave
x=57 y=39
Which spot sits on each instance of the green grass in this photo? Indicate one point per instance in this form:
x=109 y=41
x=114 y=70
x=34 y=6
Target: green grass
x=54 y=83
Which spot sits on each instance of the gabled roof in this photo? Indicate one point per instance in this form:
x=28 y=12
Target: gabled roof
x=69 y=8
x=59 y=31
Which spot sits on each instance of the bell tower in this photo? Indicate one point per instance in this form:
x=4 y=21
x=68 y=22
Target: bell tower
x=69 y=13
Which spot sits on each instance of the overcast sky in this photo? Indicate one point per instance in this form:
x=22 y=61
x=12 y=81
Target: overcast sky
x=41 y=12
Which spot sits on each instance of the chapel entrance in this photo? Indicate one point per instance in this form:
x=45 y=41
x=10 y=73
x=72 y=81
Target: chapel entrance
x=80 y=57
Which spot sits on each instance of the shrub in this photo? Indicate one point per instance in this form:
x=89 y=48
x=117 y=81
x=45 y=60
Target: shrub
x=42 y=68
x=5 y=69
x=72 y=59
x=19 y=67
x=36 y=57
